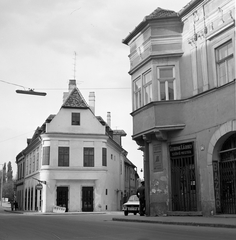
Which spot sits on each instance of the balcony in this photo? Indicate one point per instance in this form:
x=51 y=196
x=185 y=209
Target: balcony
x=204 y=111
x=158 y=116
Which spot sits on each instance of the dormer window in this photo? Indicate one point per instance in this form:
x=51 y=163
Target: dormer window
x=75 y=119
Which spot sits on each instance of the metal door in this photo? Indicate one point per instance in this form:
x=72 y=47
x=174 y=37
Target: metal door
x=87 y=199
x=183 y=184
x=228 y=186
x=62 y=197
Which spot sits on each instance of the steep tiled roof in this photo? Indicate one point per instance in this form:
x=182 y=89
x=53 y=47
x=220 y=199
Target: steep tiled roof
x=75 y=100
x=100 y=119
x=119 y=132
x=50 y=117
x=161 y=13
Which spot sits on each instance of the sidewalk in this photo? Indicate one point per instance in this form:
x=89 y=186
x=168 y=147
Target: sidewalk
x=220 y=221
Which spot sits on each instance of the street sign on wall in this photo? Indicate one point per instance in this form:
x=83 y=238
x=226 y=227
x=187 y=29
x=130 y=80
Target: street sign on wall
x=39 y=186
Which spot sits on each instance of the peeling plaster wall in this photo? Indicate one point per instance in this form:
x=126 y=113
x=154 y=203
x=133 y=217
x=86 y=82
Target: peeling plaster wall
x=159 y=191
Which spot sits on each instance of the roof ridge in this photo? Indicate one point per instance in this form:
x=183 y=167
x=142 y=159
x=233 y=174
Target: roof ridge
x=161 y=13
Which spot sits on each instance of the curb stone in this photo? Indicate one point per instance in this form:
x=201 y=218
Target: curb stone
x=218 y=225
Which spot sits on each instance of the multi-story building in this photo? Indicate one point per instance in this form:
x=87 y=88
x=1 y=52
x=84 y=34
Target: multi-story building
x=132 y=179
x=74 y=160
x=20 y=160
x=182 y=67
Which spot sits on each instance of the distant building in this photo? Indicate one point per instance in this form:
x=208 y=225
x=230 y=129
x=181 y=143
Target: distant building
x=182 y=67
x=132 y=177
x=20 y=160
x=74 y=160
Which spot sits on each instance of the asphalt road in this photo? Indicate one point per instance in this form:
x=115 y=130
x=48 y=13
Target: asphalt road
x=99 y=226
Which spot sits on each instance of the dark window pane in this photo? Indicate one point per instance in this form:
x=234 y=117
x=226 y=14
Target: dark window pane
x=163 y=90
x=88 y=157
x=75 y=119
x=104 y=157
x=171 y=90
x=63 y=156
x=46 y=155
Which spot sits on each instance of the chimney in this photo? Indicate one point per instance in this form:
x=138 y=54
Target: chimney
x=109 y=119
x=72 y=85
x=92 y=101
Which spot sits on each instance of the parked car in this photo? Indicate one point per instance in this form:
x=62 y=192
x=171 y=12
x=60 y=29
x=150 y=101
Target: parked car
x=131 y=206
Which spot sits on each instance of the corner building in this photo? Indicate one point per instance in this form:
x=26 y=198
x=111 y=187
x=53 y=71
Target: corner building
x=74 y=160
x=182 y=67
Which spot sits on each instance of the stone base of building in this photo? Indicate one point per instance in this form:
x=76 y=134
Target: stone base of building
x=158 y=209
x=208 y=208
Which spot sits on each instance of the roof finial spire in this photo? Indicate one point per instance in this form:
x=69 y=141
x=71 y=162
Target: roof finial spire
x=74 y=65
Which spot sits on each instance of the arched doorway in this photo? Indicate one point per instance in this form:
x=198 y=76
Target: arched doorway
x=224 y=175
x=227 y=175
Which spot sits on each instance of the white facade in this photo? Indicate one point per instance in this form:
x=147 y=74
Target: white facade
x=59 y=154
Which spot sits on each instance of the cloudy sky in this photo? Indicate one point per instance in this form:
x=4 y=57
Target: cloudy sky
x=38 y=39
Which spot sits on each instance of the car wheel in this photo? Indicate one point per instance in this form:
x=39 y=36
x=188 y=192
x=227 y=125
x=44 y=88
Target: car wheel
x=126 y=213
x=135 y=213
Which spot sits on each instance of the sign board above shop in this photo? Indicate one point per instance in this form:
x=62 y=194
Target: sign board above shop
x=181 y=150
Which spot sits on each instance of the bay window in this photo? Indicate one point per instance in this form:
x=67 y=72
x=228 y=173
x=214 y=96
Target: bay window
x=166 y=83
x=137 y=93
x=147 y=87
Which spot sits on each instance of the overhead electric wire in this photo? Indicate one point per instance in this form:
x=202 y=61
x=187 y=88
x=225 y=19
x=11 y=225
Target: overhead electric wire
x=13 y=84
x=8 y=139
x=85 y=88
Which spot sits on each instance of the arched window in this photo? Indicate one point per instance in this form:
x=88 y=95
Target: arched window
x=228 y=150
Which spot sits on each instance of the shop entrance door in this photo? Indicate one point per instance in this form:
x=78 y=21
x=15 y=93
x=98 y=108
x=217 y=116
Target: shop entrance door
x=87 y=199
x=183 y=181
x=62 y=197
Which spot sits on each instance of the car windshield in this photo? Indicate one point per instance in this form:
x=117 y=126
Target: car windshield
x=133 y=198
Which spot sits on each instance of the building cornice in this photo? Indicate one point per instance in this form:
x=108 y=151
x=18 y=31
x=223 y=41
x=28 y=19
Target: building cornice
x=53 y=135
x=159 y=130
x=157 y=55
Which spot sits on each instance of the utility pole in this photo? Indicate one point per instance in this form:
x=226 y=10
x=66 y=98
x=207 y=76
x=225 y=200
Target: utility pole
x=1 y=184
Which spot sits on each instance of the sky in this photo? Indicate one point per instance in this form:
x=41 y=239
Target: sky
x=38 y=42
